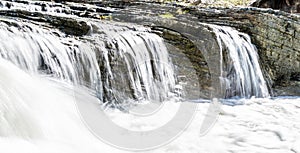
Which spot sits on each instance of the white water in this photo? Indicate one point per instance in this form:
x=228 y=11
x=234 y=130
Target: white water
x=38 y=115
x=241 y=72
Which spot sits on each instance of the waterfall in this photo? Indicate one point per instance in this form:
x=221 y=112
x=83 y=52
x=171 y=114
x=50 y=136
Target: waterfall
x=124 y=62
x=119 y=62
x=47 y=51
x=135 y=64
x=240 y=70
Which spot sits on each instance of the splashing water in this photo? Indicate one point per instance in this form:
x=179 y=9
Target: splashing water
x=39 y=114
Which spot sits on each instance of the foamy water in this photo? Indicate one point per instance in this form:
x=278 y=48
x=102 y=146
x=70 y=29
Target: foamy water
x=39 y=115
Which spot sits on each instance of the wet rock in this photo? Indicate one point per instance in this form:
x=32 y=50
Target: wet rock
x=71 y=26
x=189 y=61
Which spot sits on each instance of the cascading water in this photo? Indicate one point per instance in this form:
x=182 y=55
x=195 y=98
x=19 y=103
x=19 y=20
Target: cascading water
x=240 y=71
x=135 y=61
x=50 y=52
x=135 y=65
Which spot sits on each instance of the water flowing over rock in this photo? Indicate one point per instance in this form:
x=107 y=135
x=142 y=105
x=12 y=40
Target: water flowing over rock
x=134 y=63
x=119 y=62
x=182 y=32
x=43 y=50
x=240 y=70
x=275 y=34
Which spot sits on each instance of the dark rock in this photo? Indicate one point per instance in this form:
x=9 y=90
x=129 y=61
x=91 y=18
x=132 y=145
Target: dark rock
x=44 y=7
x=8 y=5
x=190 y=62
x=292 y=6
